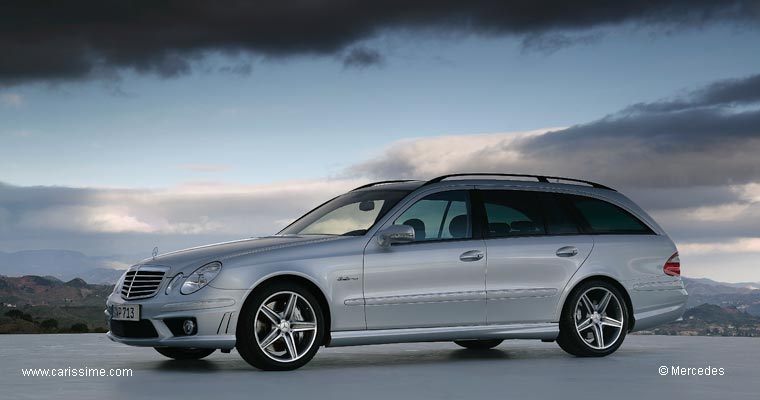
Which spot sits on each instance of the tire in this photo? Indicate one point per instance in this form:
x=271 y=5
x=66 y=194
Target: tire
x=584 y=317
x=184 y=354
x=281 y=337
x=479 y=344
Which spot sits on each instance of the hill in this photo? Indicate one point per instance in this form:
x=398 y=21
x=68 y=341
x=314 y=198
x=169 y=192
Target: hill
x=35 y=304
x=713 y=320
x=62 y=264
x=739 y=295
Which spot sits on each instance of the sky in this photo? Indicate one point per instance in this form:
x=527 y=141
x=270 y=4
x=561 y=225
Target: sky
x=128 y=125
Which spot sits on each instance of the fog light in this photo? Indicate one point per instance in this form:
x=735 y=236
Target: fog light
x=188 y=327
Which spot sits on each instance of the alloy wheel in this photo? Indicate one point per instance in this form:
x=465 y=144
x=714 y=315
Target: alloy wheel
x=285 y=326
x=598 y=317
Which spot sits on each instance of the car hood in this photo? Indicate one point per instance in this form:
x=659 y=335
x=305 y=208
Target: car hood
x=188 y=260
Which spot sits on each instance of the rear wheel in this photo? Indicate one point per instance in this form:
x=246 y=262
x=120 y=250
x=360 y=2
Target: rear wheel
x=184 y=354
x=281 y=327
x=594 y=320
x=479 y=344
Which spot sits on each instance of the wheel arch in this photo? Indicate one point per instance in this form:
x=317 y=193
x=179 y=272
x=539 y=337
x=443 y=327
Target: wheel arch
x=612 y=281
x=306 y=282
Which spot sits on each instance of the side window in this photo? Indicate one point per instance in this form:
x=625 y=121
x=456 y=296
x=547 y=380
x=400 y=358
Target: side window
x=559 y=218
x=512 y=213
x=443 y=215
x=603 y=217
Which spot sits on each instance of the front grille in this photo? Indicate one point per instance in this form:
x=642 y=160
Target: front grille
x=142 y=282
x=142 y=329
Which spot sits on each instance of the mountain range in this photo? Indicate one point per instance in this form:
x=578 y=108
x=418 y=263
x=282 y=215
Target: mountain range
x=64 y=265
x=739 y=285
x=36 y=304
x=741 y=296
x=711 y=320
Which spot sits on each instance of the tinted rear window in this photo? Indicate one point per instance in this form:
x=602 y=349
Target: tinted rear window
x=559 y=216
x=604 y=217
x=512 y=213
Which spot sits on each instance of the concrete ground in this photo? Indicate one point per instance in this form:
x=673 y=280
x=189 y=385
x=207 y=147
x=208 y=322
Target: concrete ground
x=514 y=370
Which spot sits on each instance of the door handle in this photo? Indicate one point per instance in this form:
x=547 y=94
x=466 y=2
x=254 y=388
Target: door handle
x=567 y=251
x=472 y=255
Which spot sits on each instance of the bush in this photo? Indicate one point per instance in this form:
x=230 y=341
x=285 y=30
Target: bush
x=79 y=328
x=49 y=324
x=18 y=314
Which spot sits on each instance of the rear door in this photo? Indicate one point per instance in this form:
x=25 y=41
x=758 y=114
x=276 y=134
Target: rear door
x=534 y=247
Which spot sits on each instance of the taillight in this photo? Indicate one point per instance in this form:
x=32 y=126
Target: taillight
x=673 y=266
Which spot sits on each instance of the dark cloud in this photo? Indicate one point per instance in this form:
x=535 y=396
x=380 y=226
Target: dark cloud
x=704 y=141
x=698 y=140
x=55 y=40
x=726 y=93
x=362 y=57
x=667 y=199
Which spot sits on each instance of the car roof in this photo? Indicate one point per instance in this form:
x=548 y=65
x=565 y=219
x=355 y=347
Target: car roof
x=412 y=185
x=406 y=185
x=508 y=182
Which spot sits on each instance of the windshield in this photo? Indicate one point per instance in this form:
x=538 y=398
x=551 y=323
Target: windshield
x=351 y=214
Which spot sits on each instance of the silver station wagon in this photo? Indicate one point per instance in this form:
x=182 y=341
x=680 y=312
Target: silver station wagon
x=469 y=258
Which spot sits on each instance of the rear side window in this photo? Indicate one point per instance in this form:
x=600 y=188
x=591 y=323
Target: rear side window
x=559 y=216
x=604 y=217
x=512 y=213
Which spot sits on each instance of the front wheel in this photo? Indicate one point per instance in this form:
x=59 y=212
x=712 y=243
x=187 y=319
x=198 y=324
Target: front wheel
x=594 y=320
x=281 y=327
x=479 y=344
x=184 y=354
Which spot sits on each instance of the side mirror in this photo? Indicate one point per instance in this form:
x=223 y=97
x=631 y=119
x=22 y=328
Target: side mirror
x=395 y=234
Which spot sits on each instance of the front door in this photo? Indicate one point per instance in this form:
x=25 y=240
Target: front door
x=437 y=280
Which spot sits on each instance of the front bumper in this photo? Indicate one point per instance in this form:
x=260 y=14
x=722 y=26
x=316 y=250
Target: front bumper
x=214 y=310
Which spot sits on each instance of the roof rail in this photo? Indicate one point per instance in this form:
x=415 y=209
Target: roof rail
x=540 y=178
x=383 y=182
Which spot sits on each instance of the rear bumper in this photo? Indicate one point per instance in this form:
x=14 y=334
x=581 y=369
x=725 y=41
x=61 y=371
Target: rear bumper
x=657 y=307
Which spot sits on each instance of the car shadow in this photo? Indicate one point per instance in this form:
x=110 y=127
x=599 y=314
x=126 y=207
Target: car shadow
x=348 y=358
x=334 y=360
x=188 y=365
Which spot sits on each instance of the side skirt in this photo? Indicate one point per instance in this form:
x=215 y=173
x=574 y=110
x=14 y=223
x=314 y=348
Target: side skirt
x=444 y=334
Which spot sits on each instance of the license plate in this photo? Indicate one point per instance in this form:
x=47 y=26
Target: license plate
x=126 y=312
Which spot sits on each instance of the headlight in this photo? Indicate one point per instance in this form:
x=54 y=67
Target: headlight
x=201 y=277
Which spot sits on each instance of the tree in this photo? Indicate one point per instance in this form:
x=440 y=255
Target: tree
x=49 y=324
x=18 y=314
